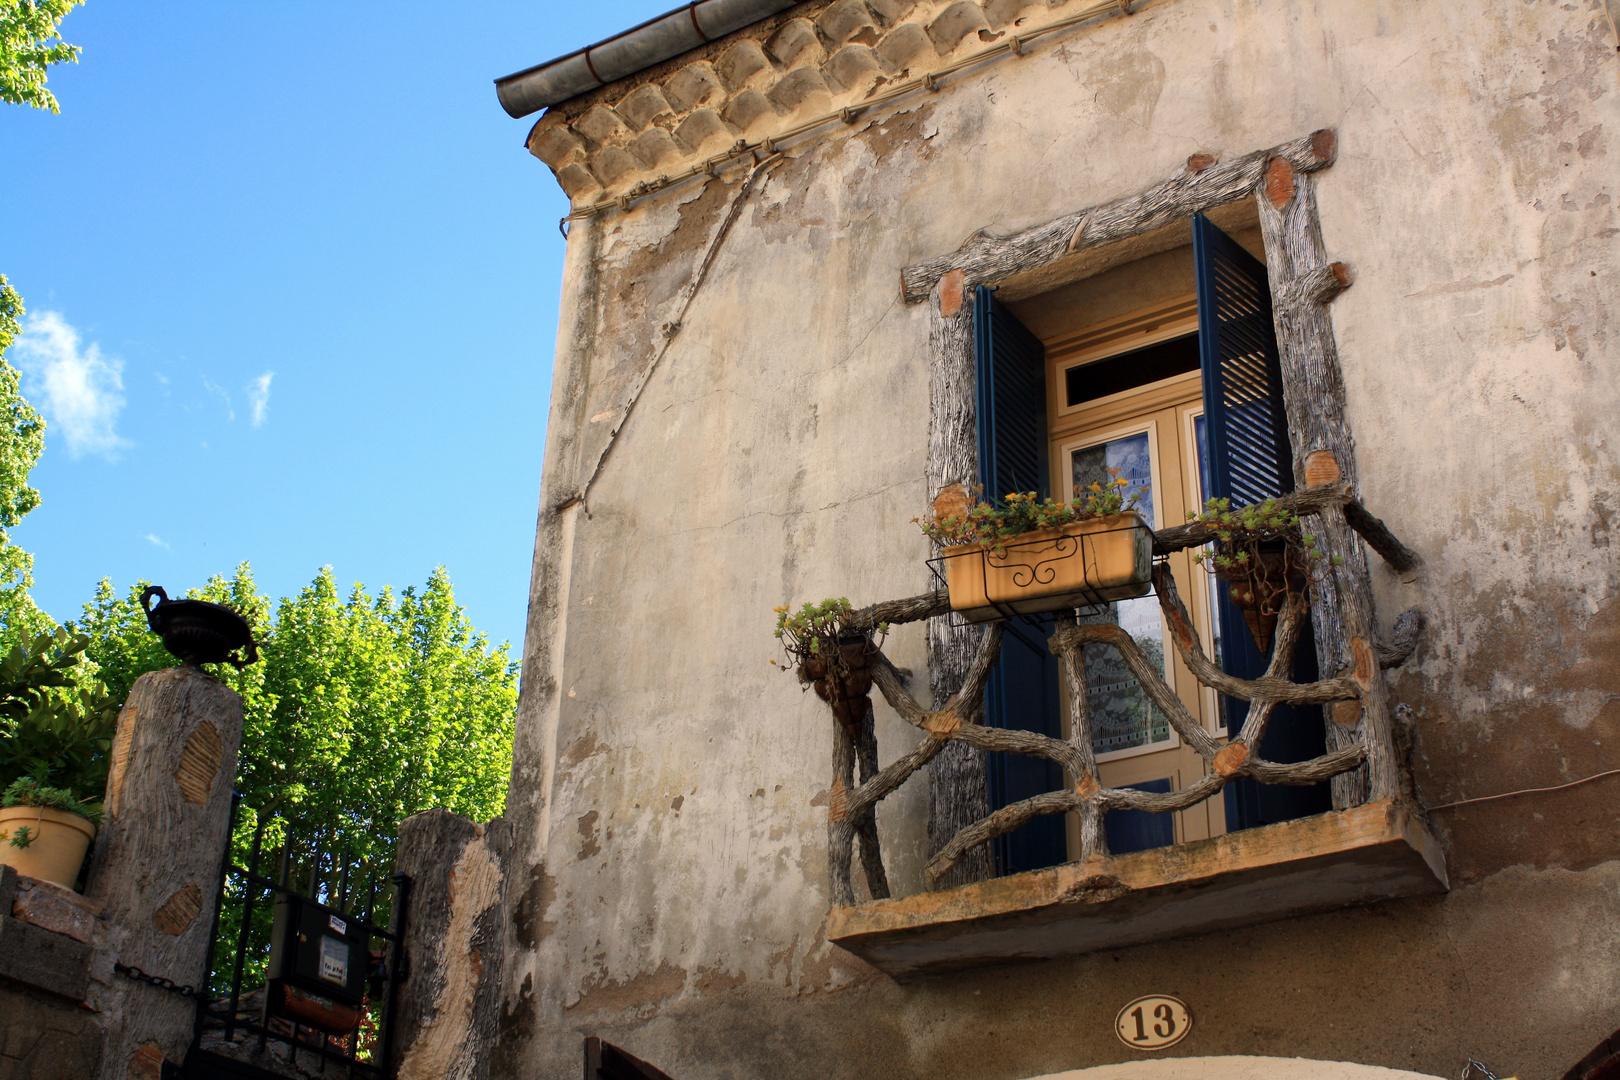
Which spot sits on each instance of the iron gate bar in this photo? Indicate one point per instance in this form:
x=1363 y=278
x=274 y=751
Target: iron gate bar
x=395 y=965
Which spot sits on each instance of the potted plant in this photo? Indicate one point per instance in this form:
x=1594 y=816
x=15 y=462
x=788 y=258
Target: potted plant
x=1025 y=555
x=831 y=656
x=1263 y=555
x=55 y=738
x=45 y=831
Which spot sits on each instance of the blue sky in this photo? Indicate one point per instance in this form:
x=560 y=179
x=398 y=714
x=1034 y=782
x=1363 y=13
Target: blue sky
x=293 y=284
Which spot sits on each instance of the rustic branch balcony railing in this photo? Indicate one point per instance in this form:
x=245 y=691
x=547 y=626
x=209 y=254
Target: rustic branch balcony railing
x=1357 y=694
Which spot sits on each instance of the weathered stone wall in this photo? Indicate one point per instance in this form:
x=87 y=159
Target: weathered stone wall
x=45 y=1037
x=46 y=1031
x=740 y=419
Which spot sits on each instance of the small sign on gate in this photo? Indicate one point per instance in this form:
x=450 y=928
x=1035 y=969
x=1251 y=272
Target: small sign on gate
x=320 y=952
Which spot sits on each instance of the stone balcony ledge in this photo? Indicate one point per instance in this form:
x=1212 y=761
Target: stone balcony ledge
x=1343 y=858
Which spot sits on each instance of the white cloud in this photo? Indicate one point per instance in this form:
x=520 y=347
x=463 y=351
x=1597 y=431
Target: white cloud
x=157 y=541
x=214 y=388
x=79 y=389
x=259 y=395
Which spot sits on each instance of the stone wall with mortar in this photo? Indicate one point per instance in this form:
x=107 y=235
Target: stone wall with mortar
x=740 y=418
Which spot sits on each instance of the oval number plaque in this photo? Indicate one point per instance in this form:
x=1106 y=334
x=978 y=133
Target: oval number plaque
x=1153 y=1022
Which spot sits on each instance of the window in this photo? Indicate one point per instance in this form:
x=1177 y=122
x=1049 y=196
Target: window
x=1165 y=369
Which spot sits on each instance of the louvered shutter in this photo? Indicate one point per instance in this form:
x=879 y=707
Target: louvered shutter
x=1011 y=368
x=1250 y=460
x=1022 y=691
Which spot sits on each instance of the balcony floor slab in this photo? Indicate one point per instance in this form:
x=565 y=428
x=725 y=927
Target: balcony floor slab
x=1340 y=859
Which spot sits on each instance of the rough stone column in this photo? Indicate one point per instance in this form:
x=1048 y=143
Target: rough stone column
x=445 y=1015
x=156 y=863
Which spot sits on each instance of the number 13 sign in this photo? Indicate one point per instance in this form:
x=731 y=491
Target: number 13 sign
x=1153 y=1022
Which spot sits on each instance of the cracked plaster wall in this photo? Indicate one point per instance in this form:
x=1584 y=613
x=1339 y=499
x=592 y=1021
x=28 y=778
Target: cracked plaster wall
x=669 y=787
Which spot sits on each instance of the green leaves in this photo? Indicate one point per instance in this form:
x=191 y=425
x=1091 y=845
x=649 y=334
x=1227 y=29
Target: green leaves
x=57 y=720
x=29 y=45
x=27 y=791
x=819 y=633
x=991 y=525
x=814 y=629
x=22 y=438
x=1261 y=547
x=364 y=709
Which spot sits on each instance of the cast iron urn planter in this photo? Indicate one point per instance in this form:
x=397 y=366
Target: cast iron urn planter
x=198 y=632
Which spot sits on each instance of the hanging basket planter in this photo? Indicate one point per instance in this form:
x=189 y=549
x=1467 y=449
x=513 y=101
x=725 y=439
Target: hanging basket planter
x=832 y=656
x=1259 y=588
x=1265 y=558
x=843 y=678
x=1085 y=562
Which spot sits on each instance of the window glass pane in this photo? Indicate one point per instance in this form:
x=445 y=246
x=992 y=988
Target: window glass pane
x=1131 y=457
x=1100 y=378
x=1122 y=717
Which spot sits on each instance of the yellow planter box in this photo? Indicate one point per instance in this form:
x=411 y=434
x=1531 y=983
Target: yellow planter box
x=58 y=841
x=1088 y=562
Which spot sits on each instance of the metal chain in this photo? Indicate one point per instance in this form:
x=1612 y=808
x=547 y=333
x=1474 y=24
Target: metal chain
x=1474 y=1070
x=160 y=982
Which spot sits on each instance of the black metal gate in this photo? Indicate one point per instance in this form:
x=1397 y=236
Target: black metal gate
x=324 y=974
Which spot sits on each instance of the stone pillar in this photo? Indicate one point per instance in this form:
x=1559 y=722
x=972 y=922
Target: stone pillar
x=446 y=1011
x=155 y=868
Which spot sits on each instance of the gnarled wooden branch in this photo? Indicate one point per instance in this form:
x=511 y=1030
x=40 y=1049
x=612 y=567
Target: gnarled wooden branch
x=1313 y=771
x=1290 y=624
x=1000 y=823
x=1303 y=501
x=892 y=776
x=1402 y=641
x=1017 y=741
x=958 y=793
x=985 y=258
x=1318 y=286
x=1152 y=683
x=1157 y=803
x=1266 y=687
x=1072 y=662
x=912 y=609
x=1008 y=818
x=1401 y=559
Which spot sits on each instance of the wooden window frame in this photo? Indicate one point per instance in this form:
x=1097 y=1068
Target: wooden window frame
x=1303 y=281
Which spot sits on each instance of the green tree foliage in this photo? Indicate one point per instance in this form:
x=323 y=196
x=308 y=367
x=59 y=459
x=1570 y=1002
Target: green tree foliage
x=22 y=439
x=29 y=45
x=363 y=710
x=56 y=724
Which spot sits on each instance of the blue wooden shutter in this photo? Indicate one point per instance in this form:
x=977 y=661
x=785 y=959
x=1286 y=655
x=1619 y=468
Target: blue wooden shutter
x=1250 y=460
x=1011 y=369
x=1022 y=691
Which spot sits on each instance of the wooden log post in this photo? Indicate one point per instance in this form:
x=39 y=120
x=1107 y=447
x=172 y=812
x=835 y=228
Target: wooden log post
x=446 y=1011
x=840 y=825
x=958 y=794
x=157 y=861
x=1303 y=281
x=1087 y=784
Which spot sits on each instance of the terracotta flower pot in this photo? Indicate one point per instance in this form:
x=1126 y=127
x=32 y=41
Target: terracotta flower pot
x=57 y=841
x=1087 y=562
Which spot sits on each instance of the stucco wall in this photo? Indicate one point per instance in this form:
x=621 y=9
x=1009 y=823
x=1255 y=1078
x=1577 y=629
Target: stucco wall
x=670 y=785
